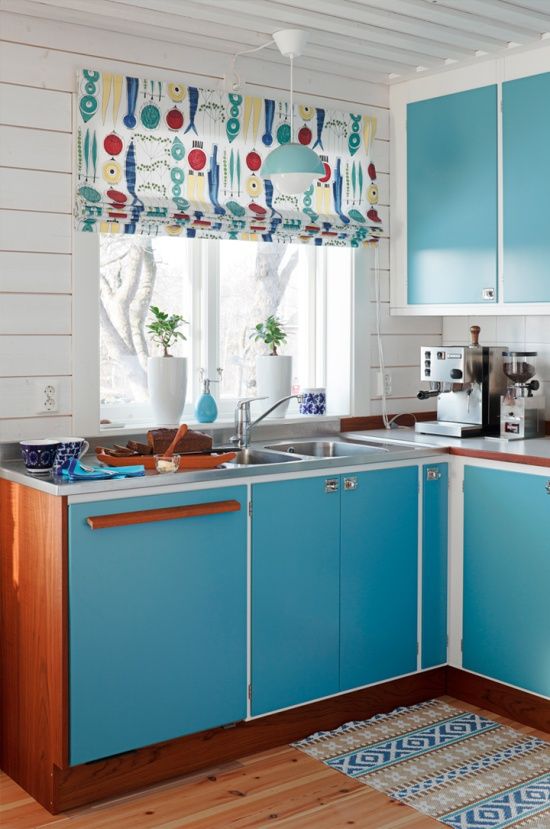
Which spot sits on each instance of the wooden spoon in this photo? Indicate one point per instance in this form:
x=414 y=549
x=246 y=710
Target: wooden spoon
x=182 y=431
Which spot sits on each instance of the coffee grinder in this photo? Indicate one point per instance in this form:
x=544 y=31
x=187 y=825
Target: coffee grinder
x=521 y=412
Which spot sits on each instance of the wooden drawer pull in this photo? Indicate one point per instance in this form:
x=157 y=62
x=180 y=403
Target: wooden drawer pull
x=146 y=516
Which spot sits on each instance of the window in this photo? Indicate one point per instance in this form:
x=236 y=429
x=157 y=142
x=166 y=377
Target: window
x=222 y=289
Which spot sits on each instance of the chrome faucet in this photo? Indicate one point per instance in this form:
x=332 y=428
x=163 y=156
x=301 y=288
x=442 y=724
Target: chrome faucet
x=243 y=422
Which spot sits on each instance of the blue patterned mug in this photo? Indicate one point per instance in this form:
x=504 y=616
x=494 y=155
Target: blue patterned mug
x=67 y=449
x=38 y=455
x=314 y=402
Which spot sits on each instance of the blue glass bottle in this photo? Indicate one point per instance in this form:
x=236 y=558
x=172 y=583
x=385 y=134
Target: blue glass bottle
x=206 y=410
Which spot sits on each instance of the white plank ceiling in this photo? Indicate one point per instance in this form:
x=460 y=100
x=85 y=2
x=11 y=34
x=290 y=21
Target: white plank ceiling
x=384 y=41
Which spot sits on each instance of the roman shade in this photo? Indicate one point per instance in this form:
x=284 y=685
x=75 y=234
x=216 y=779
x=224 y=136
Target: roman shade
x=167 y=158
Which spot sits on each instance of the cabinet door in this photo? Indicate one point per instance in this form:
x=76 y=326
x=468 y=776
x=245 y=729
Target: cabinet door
x=452 y=198
x=295 y=592
x=526 y=185
x=434 y=564
x=157 y=615
x=506 y=625
x=379 y=576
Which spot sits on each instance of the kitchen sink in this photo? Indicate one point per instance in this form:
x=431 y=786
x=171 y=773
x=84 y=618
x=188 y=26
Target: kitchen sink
x=326 y=448
x=249 y=457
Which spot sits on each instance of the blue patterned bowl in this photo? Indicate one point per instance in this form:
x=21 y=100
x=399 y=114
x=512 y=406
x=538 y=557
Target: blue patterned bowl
x=314 y=402
x=38 y=455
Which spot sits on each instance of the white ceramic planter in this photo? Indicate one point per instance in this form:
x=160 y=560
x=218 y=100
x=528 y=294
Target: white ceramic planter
x=167 y=383
x=274 y=380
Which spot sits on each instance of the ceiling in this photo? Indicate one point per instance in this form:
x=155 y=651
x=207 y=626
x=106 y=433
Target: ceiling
x=384 y=41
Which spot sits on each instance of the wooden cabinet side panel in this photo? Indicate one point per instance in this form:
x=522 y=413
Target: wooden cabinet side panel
x=33 y=650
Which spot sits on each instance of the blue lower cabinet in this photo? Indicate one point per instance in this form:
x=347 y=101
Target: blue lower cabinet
x=506 y=626
x=434 y=564
x=157 y=622
x=379 y=575
x=295 y=591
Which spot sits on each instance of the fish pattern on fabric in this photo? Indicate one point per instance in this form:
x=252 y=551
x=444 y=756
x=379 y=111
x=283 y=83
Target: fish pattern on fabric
x=166 y=158
x=458 y=767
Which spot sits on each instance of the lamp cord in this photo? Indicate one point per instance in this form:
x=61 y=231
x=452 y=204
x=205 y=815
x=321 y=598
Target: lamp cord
x=246 y=52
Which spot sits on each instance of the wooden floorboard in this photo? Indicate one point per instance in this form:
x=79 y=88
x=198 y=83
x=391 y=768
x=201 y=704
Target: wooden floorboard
x=282 y=789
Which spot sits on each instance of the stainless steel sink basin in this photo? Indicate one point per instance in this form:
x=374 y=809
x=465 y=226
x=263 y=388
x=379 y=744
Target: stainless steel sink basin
x=249 y=457
x=326 y=448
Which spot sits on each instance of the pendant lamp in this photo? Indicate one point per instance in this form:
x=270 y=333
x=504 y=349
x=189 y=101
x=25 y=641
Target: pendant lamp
x=292 y=167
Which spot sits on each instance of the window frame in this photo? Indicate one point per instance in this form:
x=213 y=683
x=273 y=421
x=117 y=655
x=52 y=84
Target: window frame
x=204 y=267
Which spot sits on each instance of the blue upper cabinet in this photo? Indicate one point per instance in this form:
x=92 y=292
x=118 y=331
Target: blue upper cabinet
x=157 y=621
x=526 y=183
x=295 y=591
x=434 y=564
x=379 y=576
x=452 y=198
x=506 y=624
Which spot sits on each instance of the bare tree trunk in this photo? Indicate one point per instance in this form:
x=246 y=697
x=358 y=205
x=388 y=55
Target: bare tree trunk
x=125 y=294
x=140 y=306
x=270 y=286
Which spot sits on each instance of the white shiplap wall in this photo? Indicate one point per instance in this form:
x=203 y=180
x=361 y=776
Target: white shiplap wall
x=38 y=62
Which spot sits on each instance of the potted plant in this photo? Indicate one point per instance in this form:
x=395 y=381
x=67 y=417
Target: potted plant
x=166 y=375
x=273 y=370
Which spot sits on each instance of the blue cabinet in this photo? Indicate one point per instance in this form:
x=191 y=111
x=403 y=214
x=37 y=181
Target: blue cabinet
x=379 y=576
x=506 y=626
x=157 y=621
x=452 y=198
x=295 y=591
x=434 y=564
x=526 y=185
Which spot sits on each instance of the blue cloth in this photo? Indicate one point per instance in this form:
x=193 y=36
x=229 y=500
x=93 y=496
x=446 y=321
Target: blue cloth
x=73 y=470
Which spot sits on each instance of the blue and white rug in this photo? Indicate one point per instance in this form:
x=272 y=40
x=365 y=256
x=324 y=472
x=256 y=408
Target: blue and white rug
x=462 y=769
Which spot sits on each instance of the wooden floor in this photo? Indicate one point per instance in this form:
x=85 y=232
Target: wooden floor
x=280 y=789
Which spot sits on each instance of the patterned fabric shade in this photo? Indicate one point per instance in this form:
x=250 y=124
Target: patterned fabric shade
x=155 y=157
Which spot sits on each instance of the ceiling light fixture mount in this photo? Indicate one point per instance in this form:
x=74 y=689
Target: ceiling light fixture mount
x=292 y=167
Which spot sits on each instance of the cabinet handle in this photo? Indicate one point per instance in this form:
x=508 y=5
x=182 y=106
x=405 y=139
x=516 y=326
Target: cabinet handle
x=147 y=516
x=433 y=474
x=350 y=483
x=547 y=487
x=331 y=485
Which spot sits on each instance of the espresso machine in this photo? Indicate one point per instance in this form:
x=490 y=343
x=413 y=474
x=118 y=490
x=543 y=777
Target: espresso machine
x=521 y=412
x=468 y=382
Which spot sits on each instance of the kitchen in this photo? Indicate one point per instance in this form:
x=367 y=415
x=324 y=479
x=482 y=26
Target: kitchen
x=329 y=569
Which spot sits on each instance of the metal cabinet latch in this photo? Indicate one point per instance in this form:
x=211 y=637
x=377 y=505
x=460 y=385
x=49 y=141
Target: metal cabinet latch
x=433 y=474
x=350 y=483
x=547 y=487
x=488 y=294
x=331 y=485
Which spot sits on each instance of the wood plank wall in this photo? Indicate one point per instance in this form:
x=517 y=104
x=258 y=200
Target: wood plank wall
x=38 y=62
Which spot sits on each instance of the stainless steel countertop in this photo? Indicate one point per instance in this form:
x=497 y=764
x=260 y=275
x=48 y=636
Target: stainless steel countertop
x=15 y=471
x=405 y=436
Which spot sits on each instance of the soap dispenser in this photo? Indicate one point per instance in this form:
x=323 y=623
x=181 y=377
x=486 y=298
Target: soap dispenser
x=206 y=410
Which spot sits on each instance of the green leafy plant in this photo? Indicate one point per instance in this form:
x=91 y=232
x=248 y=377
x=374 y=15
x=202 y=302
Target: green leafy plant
x=271 y=332
x=164 y=328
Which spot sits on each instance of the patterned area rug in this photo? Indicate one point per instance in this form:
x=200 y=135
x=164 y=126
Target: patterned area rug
x=458 y=767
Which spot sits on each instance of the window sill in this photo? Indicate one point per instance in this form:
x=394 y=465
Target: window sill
x=222 y=424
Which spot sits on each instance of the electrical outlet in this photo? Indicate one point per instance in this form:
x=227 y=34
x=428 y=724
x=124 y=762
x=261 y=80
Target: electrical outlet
x=384 y=383
x=47 y=400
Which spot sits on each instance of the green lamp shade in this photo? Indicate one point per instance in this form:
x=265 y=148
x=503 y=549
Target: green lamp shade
x=292 y=168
